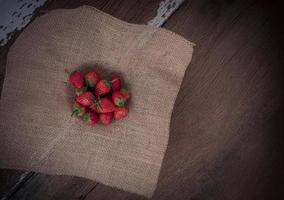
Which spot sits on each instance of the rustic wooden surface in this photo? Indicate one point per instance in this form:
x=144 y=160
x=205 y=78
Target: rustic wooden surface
x=226 y=138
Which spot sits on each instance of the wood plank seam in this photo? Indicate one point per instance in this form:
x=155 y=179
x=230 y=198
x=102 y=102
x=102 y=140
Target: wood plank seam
x=22 y=180
x=87 y=193
x=165 y=10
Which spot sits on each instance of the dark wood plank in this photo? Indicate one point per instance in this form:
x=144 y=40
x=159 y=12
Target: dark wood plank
x=230 y=106
x=42 y=186
x=11 y=180
x=102 y=192
x=226 y=138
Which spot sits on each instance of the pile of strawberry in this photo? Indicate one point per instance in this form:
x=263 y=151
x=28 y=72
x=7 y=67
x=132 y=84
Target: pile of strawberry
x=98 y=100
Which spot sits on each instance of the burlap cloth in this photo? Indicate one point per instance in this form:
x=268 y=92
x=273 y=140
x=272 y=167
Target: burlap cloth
x=37 y=132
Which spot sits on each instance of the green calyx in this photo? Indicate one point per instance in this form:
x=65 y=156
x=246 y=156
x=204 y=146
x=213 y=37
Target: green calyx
x=86 y=118
x=123 y=90
x=89 y=83
x=98 y=104
x=93 y=98
x=67 y=72
x=79 y=92
x=120 y=102
x=108 y=83
x=76 y=110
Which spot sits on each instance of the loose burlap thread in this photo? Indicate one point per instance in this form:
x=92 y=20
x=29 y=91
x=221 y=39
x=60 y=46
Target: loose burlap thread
x=37 y=132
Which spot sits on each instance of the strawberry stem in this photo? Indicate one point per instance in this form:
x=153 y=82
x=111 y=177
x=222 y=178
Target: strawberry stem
x=73 y=113
x=97 y=102
x=67 y=72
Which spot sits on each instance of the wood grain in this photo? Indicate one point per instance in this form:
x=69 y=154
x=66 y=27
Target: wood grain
x=229 y=106
x=226 y=138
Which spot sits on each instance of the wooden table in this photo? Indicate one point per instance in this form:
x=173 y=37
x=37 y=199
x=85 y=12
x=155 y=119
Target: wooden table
x=226 y=138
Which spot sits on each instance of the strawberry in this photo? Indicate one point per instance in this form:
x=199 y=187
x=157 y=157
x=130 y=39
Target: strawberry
x=120 y=113
x=119 y=99
x=80 y=91
x=102 y=88
x=104 y=105
x=116 y=82
x=76 y=79
x=86 y=99
x=78 y=110
x=106 y=118
x=91 y=118
x=125 y=93
x=92 y=78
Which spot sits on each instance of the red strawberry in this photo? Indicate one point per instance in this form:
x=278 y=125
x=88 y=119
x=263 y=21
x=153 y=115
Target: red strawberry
x=92 y=78
x=116 y=82
x=125 y=93
x=106 y=118
x=76 y=79
x=91 y=118
x=104 y=105
x=78 y=110
x=102 y=88
x=120 y=113
x=119 y=99
x=86 y=99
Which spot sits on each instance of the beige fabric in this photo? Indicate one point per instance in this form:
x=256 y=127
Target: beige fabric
x=37 y=132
